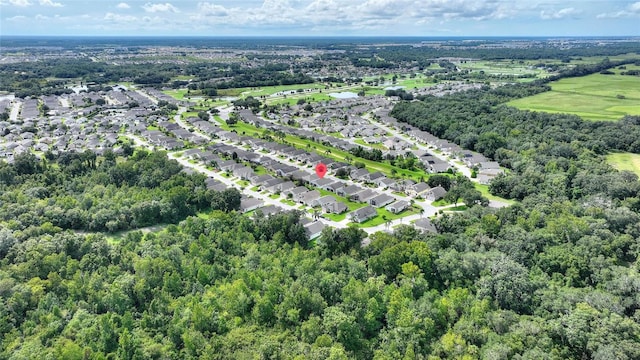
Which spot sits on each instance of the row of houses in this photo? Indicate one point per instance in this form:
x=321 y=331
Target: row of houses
x=487 y=170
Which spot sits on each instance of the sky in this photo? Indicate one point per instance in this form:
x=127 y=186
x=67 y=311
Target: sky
x=321 y=18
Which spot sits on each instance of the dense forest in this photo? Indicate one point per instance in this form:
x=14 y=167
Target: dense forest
x=539 y=280
x=75 y=191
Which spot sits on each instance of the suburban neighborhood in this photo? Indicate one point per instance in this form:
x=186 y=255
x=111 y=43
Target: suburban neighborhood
x=273 y=175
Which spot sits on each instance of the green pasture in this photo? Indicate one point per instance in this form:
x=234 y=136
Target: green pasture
x=592 y=97
x=505 y=67
x=625 y=161
x=293 y=99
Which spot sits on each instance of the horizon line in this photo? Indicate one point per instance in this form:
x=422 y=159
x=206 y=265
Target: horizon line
x=315 y=36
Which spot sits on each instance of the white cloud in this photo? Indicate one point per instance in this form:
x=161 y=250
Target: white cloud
x=560 y=14
x=111 y=17
x=123 y=6
x=632 y=10
x=50 y=3
x=17 y=18
x=158 y=8
x=21 y=3
x=210 y=9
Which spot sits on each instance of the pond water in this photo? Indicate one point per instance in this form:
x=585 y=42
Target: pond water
x=344 y=95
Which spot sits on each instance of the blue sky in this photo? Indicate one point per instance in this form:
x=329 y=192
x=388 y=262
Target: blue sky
x=322 y=17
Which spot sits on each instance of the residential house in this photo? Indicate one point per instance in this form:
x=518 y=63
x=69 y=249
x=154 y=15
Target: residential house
x=374 y=177
x=381 y=200
x=418 y=189
x=248 y=203
x=272 y=185
x=269 y=210
x=386 y=183
x=486 y=175
x=244 y=172
x=334 y=186
x=285 y=186
x=309 y=197
x=425 y=224
x=436 y=193
x=295 y=193
x=324 y=200
x=335 y=207
x=402 y=185
x=398 y=206
x=215 y=185
x=227 y=165
x=349 y=191
x=363 y=214
x=359 y=175
x=260 y=179
x=364 y=195
x=320 y=182
x=314 y=229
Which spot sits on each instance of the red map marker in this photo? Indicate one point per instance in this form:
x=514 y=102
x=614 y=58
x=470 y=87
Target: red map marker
x=321 y=170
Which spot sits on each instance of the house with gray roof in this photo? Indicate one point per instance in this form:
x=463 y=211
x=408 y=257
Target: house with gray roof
x=314 y=229
x=436 y=193
x=335 y=207
x=349 y=191
x=381 y=200
x=363 y=214
x=364 y=195
x=309 y=197
x=398 y=206
x=425 y=224
x=248 y=203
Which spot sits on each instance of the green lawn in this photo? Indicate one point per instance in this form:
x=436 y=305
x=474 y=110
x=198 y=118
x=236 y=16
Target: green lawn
x=188 y=114
x=256 y=92
x=502 y=67
x=293 y=99
x=625 y=161
x=336 y=217
x=441 y=202
x=592 y=97
x=178 y=94
x=484 y=189
x=384 y=215
x=373 y=146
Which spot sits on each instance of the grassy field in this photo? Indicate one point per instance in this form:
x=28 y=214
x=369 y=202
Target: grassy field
x=625 y=161
x=592 y=97
x=178 y=94
x=484 y=189
x=505 y=67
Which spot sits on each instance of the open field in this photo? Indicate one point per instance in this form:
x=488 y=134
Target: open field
x=484 y=190
x=625 y=161
x=505 y=67
x=592 y=97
